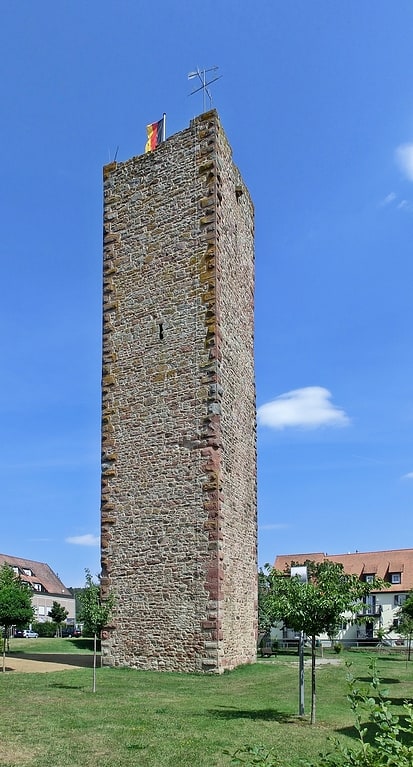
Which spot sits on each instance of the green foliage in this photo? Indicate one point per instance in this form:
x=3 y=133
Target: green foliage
x=314 y=607
x=390 y=745
x=94 y=612
x=15 y=599
x=77 y=593
x=58 y=614
x=405 y=627
x=15 y=604
x=317 y=606
x=337 y=647
x=406 y=610
x=47 y=629
x=265 y=613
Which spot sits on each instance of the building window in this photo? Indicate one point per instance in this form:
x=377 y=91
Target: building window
x=396 y=577
x=369 y=604
x=37 y=586
x=399 y=599
x=369 y=578
x=27 y=571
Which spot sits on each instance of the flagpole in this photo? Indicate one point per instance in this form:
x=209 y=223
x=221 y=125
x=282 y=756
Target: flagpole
x=164 y=126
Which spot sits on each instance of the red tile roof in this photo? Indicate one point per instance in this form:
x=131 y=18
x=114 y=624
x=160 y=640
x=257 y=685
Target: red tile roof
x=41 y=573
x=379 y=563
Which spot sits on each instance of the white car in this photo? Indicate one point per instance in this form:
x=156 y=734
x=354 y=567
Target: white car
x=30 y=634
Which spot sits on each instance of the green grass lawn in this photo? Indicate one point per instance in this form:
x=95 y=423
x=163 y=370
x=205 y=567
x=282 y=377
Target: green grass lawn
x=51 y=645
x=148 y=719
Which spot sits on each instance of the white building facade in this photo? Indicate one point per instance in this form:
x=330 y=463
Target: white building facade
x=46 y=586
x=380 y=615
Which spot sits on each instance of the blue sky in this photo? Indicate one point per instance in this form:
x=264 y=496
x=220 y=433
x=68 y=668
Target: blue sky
x=317 y=101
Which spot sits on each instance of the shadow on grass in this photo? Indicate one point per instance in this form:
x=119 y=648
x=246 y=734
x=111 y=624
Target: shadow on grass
x=263 y=714
x=392 y=658
x=67 y=686
x=399 y=701
x=372 y=730
x=383 y=679
x=84 y=643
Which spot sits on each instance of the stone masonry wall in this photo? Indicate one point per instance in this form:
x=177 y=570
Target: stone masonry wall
x=235 y=270
x=178 y=511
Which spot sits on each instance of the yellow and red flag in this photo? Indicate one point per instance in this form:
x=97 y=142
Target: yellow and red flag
x=155 y=135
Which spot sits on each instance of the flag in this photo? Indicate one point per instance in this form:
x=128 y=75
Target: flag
x=155 y=134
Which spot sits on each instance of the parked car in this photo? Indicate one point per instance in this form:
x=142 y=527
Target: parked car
x=71 y=631
x=18 y=633
x=30 y=634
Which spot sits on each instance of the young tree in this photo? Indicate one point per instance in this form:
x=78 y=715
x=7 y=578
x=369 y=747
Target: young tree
x=406 y=621
x=95 y=613
x=15 y=603
x=77 y=593
x=264 y=602
x=58 y=614
x=317 y=606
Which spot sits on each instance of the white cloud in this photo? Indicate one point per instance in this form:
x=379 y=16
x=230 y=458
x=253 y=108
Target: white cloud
x=387 y=200
x=408 y=476
x=405 y=205
x=404 y=157
x=84 y=540
x=307 y=408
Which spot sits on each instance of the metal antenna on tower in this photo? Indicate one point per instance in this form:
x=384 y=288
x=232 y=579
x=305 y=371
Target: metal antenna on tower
x=201 y=74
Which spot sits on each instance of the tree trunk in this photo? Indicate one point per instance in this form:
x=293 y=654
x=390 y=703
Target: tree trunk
x=94 y=663
x=313 y=679
x=4 y=655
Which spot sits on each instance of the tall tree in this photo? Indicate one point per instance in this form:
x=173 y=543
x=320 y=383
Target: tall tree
x=15 y=603
x=58 y=614
x=317 y=606
x=95 y=613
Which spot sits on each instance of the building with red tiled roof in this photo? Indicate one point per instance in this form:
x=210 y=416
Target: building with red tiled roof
x=393 y=566
x=47 y=587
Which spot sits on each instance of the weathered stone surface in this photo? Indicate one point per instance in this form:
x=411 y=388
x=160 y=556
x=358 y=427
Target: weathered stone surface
x=178 y=407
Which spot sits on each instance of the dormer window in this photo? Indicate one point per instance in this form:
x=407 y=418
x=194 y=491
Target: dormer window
x=395 y=577
x=27 y=571
x=369 y=578
x=37 y=586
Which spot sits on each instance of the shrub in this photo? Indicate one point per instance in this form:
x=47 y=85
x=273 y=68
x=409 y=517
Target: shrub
x=47 y=629
x=337 y=647
x=389 y=747
x=390 y=734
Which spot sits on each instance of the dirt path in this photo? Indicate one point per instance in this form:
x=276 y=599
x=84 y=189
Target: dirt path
x=33 y=663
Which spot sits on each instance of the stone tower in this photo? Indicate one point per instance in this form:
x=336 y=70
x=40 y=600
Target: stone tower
x=178 y=407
